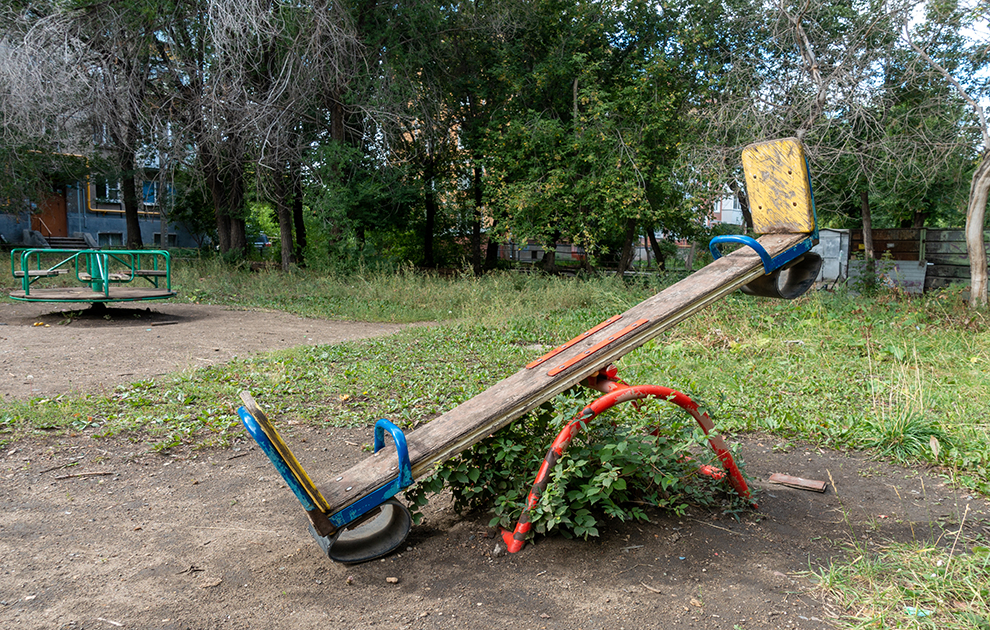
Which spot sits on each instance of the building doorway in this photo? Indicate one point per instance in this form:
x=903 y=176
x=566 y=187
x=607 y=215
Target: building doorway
x=52 y=220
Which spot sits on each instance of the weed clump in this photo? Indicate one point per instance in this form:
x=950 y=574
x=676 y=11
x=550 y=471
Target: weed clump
x=618 y=466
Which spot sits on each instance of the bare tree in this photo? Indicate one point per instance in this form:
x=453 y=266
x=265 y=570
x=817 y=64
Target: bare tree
x=977 y=19
x=262 y=86
x=824 y=72
x=78 y=81
x=44 y=96
x=120 y=38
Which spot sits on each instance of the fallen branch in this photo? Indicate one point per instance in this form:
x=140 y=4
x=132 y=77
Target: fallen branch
x=60 y=466
x=85 y=474
x=724 y=529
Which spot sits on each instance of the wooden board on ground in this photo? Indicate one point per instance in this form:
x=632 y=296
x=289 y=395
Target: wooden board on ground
x=522 y=392
x=84 y=294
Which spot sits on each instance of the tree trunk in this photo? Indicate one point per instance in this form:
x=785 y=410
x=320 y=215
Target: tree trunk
x=226 y=185
x=431 y=218
x=128 y=193
x=491 y=251
x=975 y=217
x=476 y=223
x=628 y=251
x=283 y=211
x=162 y=215
x=223 y=228
x=868 y=253
x=740 y=193
x=549 y=264
x=430 y=200
x=657 y=253
x=238 y=230
x=297 y=212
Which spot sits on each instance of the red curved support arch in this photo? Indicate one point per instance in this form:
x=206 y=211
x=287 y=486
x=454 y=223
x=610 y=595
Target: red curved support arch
x=615 y=393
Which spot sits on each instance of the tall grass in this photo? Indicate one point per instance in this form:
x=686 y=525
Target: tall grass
x=399 y=296
x=919 y=583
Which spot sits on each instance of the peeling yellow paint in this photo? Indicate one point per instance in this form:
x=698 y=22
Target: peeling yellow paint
x=778 y=187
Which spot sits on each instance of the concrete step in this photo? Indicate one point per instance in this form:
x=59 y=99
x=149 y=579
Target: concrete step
x=67 y=242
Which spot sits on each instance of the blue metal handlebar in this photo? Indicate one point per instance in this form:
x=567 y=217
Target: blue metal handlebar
x=742 y=240
x=769 y=264
x=405 y=469
x=386 y=492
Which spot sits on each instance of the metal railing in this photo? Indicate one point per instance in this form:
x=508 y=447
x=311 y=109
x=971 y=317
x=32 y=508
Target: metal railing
x=99 y=269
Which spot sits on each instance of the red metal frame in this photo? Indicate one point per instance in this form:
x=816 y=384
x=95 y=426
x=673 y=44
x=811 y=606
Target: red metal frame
x=618 y=392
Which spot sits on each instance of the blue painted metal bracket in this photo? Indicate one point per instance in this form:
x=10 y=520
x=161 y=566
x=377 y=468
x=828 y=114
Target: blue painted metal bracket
x=769 y=264
x=357 y=509
x=379 y=496
x=269 y=449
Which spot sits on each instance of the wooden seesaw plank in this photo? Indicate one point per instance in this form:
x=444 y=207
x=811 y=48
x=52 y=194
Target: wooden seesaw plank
x=496 y=407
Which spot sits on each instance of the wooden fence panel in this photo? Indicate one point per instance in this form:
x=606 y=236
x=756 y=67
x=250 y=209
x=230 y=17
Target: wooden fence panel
x=944 y=250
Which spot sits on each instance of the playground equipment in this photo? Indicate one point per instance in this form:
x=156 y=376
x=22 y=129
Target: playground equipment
x=358 y=518
x=100 y=275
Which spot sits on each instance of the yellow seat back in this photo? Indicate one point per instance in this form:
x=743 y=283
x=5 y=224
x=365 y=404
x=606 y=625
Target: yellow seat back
x=778 y=187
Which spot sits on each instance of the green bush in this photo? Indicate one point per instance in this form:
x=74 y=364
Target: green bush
x=618 y=466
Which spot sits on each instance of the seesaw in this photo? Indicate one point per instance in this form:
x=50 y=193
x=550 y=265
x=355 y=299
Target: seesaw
x=357 y=517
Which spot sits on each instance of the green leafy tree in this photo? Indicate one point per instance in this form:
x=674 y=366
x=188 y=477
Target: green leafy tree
x=591 y=146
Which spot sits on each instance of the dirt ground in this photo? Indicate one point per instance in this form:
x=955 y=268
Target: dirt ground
x=51 y=349
x=98 y=533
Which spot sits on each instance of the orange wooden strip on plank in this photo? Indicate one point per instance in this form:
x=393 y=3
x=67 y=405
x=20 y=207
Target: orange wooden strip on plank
x=598 y=346
x=570 y=343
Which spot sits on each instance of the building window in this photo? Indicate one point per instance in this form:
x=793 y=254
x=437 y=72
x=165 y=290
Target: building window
x=107 y=190
x=171 y=239
x=150 y=192
x=111 y=239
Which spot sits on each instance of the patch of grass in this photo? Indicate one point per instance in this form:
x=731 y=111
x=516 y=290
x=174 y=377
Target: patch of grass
x=912 y=585
x=409 y=378
x=905 y=437
x=846 y=373
x=938 y=581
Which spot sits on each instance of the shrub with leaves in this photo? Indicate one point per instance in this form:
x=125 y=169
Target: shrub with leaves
x=619 y=465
